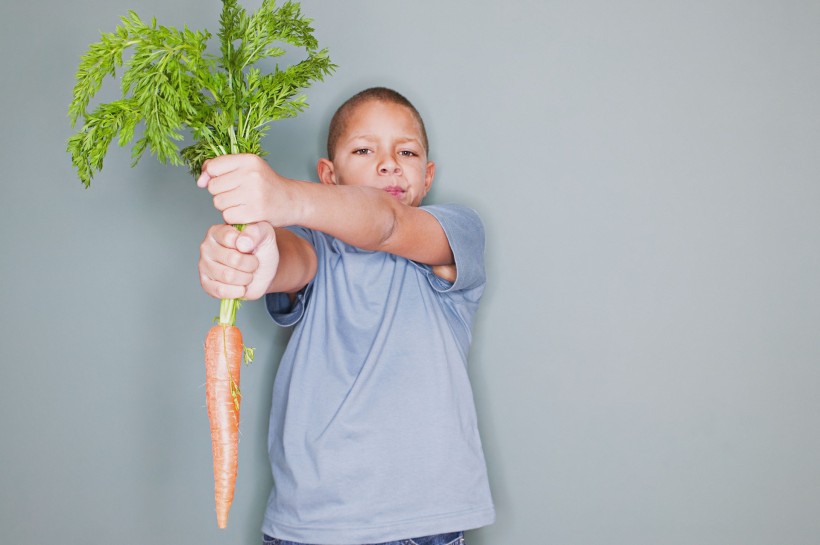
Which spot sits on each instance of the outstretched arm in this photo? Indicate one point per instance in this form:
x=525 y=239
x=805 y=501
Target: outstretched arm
x=246 y=189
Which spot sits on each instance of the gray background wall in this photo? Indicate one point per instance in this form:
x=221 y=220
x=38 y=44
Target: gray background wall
x=646 y=358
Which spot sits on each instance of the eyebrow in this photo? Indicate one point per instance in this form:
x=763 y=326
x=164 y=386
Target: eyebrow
x=373 y=137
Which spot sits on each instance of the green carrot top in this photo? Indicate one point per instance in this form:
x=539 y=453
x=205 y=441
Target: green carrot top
x=171 y=83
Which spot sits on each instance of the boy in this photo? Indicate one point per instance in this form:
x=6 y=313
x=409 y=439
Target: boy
x=373 y=435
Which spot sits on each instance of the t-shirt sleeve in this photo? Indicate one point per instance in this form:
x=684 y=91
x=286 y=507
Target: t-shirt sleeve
x=280 y=307
x=465 y=233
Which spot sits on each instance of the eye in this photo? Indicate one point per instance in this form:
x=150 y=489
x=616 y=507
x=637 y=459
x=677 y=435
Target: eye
x=361 y=151
x=408 y=153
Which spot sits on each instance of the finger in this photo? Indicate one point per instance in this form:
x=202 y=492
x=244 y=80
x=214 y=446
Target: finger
x=225 y=201
x=224 y=183
x=245 y=244
x=210 y=169
x=222 y=165
x=229 y=268
x=229 y=275
x=219 y=290
x=213 y=261
x=219 y=250
x=231 y=259
x=221 y=235
x=204 y=177
x=214 y=168
x=254 y=236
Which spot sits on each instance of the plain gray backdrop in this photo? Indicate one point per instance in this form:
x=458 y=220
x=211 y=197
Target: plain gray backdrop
x=645 y=362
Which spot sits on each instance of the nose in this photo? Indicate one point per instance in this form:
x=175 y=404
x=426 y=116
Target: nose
x=388 y=165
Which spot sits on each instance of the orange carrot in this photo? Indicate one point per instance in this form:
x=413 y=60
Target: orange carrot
x=223 y=358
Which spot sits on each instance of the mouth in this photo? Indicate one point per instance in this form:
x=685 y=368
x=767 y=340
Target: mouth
x=395 y=191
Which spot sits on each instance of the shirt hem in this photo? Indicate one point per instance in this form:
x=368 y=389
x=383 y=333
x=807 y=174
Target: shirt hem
x=393 y=531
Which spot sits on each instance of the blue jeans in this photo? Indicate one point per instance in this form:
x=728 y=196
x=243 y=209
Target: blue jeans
x=455 y=538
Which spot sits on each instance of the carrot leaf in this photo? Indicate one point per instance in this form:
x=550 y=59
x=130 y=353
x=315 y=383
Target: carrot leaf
x=170 y=85
x=247 y=354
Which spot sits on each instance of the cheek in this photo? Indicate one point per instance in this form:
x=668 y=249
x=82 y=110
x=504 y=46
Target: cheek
x=419 y=177
x=350 y=175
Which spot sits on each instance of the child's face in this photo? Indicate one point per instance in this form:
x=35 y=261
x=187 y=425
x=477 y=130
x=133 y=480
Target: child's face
x=382 y=147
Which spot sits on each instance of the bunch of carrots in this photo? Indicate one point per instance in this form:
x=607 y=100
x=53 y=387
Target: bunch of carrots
x=172 y=84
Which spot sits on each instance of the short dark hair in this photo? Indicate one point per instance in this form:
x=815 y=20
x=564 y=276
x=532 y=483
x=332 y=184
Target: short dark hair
x=338 y=122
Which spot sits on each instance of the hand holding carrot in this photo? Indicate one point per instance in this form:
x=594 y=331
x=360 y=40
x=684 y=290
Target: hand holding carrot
x=247 y=190
x=238 y=265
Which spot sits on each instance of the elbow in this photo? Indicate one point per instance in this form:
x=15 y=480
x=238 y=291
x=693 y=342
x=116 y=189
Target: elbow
x=387 y=229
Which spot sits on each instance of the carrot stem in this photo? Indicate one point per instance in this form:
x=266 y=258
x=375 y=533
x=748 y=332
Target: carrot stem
x=228 y=307
x=227 y=311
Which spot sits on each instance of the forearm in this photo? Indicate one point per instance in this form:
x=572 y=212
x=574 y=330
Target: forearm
x=360 y=216
x=370 y=219
x=297 y=263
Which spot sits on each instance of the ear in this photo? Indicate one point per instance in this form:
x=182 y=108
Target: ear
x=428 y=176
x=326 y=172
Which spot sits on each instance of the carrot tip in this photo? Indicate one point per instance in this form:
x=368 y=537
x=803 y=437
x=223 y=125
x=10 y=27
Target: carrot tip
x=222 y=520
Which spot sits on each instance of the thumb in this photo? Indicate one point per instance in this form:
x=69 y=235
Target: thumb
x=253 y=236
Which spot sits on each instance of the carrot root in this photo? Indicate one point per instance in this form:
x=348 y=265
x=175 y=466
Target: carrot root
x=223 y=358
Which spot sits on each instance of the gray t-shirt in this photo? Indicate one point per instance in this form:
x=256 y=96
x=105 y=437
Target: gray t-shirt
x=373 y=433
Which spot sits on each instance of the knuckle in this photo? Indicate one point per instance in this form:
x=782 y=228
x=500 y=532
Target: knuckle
x=235 y=260
x=229 y=276
x=222 y=292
